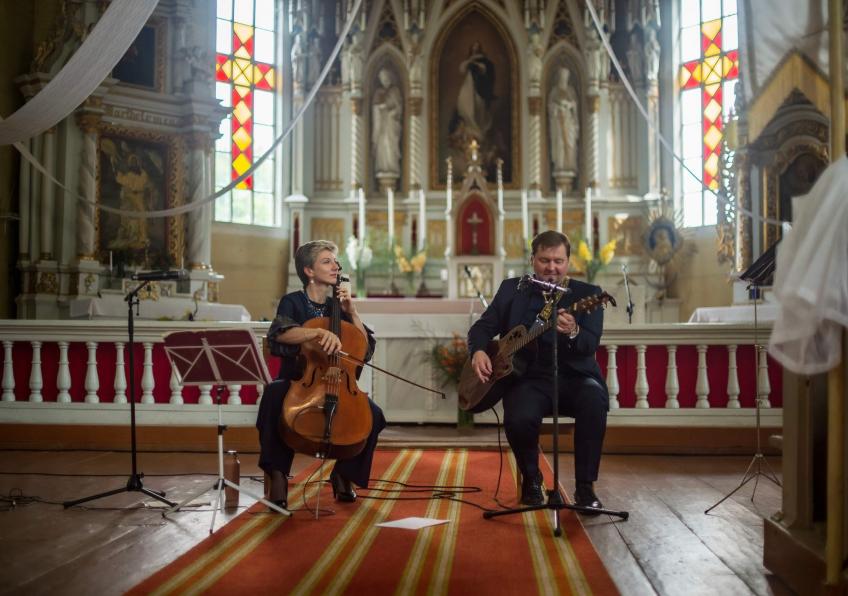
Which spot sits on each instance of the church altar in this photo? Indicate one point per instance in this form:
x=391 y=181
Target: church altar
x=170 y=308
x=738 y=313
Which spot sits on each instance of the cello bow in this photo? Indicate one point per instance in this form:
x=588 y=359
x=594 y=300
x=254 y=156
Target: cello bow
x=391 y=374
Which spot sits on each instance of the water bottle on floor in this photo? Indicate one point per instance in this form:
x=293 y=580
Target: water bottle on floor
x=232 y=472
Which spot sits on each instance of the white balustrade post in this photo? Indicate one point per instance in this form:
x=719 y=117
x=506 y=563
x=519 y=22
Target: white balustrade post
x=36 y=382
x=8 y=372
x=63 y=377
x=612 y=377
x=702 y=385
x=92 y=382
x=120 y=384
x=641 y=388
x=205 y=395
x=147 y=375
x=176 y=387
x=672 y=385
x=234 y=397
x=732 y=378
x=763 y=384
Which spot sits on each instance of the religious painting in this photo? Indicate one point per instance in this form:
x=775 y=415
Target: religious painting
x=662 y=240
x=328 y=228
x=143 y=63
x=627 y=231
x=474 y=79
x=514 y=241
x=135 y=174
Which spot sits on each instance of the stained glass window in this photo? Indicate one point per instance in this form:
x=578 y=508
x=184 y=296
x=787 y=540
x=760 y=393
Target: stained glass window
x=246 y=82
x=709 y=66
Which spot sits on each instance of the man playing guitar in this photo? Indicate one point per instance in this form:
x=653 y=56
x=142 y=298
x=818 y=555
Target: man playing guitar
x=582 y=390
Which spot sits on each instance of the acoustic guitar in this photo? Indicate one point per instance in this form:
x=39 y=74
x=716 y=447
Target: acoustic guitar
x=476 y=396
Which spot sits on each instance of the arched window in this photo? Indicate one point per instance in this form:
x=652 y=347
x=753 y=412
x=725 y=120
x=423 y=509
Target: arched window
x=247 y=80
x=707 y=73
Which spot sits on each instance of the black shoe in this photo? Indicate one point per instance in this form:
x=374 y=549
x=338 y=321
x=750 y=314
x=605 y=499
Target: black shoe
x=277 y=488
x=584 y=496
x=342 y=489
x=532 y=490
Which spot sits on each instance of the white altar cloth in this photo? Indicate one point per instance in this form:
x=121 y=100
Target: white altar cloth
x=113 y=306
x=740 y=313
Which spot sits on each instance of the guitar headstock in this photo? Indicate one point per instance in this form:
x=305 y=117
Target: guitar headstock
x=591 y=303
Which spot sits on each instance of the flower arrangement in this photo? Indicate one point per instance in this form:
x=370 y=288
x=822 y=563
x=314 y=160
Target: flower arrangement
x=359 y=258
x=448 y=360
x=584 y=260
x=410 y=264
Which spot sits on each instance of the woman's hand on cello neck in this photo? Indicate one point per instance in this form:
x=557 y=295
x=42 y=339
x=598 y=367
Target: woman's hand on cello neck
x=345 y=301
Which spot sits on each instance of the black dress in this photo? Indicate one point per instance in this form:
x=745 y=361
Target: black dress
x=293 y=311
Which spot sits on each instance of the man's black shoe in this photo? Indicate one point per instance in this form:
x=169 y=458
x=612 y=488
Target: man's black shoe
x=584 y=496
x=531 y=490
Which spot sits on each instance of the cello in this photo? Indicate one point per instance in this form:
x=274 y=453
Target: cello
x=325 y=413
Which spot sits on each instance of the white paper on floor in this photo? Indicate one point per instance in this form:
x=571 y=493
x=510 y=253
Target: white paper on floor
x=412 y=523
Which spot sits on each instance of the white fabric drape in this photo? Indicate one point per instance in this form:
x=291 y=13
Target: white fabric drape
x=90 y=64
x=811 y=278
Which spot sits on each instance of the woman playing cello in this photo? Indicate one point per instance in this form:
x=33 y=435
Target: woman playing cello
x=318 y=269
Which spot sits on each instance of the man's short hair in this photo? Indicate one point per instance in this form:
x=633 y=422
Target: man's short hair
x=550 y=239
x=306 y=254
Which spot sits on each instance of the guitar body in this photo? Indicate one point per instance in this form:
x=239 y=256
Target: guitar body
x=507 y=366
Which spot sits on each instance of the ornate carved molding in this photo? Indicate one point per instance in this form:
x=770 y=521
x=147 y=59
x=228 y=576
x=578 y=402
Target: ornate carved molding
x=534 y=105
x=415 y=105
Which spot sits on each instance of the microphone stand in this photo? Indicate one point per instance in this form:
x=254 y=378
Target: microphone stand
x=134 y=483
x=630 y=304
x=555 y=498
x=480 y=296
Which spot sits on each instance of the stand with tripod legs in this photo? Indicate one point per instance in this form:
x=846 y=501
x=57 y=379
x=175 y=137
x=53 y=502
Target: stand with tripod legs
x=218 y=357
x=758 y=461
x=556 y=502
x=134 y=483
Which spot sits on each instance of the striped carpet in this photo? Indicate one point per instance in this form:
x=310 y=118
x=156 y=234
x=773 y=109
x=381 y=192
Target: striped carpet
x=344 y=553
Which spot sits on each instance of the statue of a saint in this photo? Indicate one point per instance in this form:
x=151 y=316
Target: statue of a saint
x=634 y=57
x=563 y=122
x=652 y=55
x=298 y=59
x=386 y=111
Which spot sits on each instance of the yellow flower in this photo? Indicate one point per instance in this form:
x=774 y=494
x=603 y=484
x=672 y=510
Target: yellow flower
x=583 y=251
x=403 y=265
x=418 y=261
x=398 y=252
x=608 y=252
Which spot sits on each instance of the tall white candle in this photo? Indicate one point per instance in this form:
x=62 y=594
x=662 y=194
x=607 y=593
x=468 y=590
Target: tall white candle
x=559 y=210
x=361 y=230
x=422 y=220
x=525 y=218
x=589 y=217
x=391 y=216
x=449 y=192
x=110 y=261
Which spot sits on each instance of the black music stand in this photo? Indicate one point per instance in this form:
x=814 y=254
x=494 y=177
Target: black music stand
x=759 y=274
x=218 y=357
x=134 y=483
x=556 y=502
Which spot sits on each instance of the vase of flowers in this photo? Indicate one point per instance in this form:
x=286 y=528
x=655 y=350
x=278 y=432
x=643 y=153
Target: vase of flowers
x=359 y=257
x=410 y=265
x=448 y=360
x=583 y=259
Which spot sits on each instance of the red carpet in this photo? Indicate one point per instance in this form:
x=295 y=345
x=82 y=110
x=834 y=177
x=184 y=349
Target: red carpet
x=264 y=553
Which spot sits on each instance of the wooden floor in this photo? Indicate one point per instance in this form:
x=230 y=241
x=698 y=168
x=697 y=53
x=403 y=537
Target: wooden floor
x=668 y=546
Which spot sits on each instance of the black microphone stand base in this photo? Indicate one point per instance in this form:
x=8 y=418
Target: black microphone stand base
x=134 y=484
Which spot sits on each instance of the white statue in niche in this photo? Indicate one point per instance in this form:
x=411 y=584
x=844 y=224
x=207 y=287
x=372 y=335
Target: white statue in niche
x=652 y=55
x=634 y=57
x=386 y=111
x=298 y=60
x=563 y=122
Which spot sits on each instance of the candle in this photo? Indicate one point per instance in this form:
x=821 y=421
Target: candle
x=422 y=220
x=449 y=194
x=589 y=217
x=559 y=210
x=500 y=188
x=525 y=219
x=391 y=215
x=110 y=262
x=361 y=230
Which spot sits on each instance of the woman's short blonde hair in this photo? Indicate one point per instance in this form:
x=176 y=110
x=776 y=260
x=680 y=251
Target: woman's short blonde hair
x=306 y=254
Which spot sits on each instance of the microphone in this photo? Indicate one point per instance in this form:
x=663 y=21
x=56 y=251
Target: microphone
x=177 y=275
x=630 y=304
x=528 y=281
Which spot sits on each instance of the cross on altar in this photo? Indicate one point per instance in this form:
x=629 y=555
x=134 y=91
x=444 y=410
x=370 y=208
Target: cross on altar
x=246 y=75
x=474 y=221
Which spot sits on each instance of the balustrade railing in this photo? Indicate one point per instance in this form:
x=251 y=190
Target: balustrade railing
x=76 y=371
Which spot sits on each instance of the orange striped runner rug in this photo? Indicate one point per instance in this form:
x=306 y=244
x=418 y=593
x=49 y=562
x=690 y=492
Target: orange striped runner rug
x=345 y=553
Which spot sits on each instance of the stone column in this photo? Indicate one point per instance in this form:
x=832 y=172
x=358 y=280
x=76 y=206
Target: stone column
x=592 y=141
x=48 y=194
x=535 y=170
x=415 y=146
x=356 y=178
x=200 y=219
x=88 y=124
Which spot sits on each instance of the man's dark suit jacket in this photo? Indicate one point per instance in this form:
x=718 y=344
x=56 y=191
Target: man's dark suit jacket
x=512 y=307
